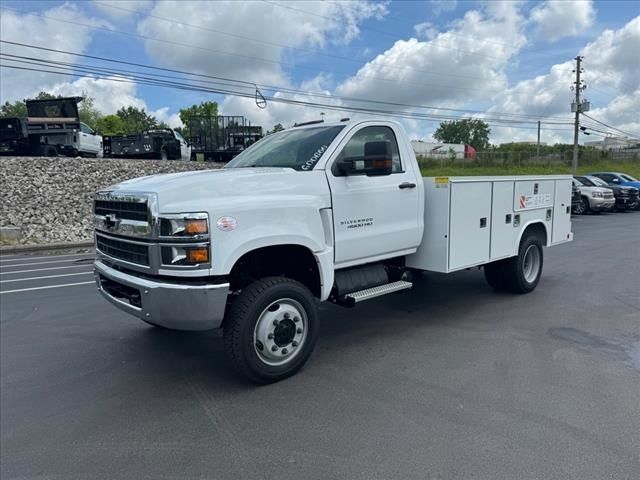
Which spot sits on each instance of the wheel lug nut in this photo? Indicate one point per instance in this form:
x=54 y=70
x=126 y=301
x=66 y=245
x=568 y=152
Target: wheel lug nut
x=286 y=315
x=284 y=351
x=294 y=343
x=270 y=336
x=296 y=319
x=299 y=330
x=274 y=348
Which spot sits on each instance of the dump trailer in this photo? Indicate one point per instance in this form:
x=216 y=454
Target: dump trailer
x=335 y=212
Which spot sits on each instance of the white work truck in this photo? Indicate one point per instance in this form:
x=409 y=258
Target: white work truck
x=333 y=212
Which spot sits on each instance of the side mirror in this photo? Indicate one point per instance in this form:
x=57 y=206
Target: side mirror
x=377 y=160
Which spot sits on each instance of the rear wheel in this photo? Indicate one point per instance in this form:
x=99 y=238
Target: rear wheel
x=522 y=273
x=519 y=274
x=270 y=329
x=494 y=274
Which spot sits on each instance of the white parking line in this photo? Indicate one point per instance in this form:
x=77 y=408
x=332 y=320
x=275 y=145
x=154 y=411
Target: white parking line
x=46 y=276
x=41 y=263
x=43 y=269
x=41 y=257
x=44 y=288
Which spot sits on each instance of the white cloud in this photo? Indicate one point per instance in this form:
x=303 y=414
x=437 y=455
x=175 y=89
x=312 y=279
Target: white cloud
x=163 y=115
x=426 y=30
x=36 y=30
x=610 y=63
x=122 y=9
x=233 y=54
x=443 y=6
x=559 y=19
x=109 y=96
x=463 y=62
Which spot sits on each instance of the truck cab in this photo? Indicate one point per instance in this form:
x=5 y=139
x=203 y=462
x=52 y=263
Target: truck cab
x=333 y=212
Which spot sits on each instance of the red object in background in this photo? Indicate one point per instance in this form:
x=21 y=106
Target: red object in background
x=469 y=151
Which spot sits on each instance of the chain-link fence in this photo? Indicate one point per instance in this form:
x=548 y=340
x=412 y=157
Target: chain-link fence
x=529 y=158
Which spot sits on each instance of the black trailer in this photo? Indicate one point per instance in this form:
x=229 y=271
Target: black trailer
x=220 y=138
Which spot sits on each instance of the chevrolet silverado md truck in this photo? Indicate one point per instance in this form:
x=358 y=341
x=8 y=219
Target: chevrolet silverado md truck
x=333 y=212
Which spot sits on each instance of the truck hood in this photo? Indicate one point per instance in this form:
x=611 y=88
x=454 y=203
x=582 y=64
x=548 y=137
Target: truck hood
x=202 y=189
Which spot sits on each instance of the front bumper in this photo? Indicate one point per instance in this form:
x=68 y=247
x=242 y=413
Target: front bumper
x=179 y=306
x=602 y=204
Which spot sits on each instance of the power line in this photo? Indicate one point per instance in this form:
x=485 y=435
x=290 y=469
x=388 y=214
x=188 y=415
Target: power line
x=251 y=57
x=608 y=126
x=340 y=108
x=271 y=87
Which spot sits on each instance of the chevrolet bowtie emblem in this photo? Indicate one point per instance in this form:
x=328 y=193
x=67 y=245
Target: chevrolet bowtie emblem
x=111 y=222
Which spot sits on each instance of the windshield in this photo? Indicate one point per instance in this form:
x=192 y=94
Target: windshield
x=577 y=183
x=584 y=181
x=299 y=149
x=599 y=182
x=628 y=178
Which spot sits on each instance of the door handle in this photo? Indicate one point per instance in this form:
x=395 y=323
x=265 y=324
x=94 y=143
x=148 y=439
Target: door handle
x=407 y=185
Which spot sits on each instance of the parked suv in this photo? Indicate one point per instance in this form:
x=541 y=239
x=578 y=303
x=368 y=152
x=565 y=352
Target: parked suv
x=594 y=199
x=620 y=179
x=626 y=197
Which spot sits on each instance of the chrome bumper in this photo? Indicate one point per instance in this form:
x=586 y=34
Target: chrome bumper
x=172 y=305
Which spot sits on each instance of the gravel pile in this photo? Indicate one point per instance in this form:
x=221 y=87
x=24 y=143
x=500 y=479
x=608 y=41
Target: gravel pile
x=50 y=199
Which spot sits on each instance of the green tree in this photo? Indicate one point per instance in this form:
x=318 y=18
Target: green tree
x=468 y=131
x=15 y=109
x=276 y=128
x=205 y=109
x=110 y=125
x=88 y=113
x=135 y=120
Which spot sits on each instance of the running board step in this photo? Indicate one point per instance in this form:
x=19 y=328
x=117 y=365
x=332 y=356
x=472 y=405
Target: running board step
x=373 y=292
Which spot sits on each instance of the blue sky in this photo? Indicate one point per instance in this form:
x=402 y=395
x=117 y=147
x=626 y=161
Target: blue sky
x=509 y=57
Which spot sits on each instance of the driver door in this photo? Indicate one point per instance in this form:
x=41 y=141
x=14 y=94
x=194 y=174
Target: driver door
x=375 y=216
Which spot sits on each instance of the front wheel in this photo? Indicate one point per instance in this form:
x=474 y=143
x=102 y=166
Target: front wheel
x=582 y=207
x=270 y=329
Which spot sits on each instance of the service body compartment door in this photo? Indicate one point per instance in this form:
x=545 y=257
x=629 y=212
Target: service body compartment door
x=503 y=234
x=561 y=230
x=470 y=224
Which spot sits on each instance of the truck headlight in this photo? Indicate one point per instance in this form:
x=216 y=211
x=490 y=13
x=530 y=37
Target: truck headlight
x=186 y=255
x=597 y=195
x=187 y=225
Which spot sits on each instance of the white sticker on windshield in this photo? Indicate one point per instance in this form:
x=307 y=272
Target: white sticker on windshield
x=308 y=165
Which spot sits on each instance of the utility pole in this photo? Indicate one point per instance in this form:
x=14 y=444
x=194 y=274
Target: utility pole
x=576 y=107
x=538 y=149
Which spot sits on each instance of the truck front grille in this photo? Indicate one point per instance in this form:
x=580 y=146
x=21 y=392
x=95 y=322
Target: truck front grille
x=608 y=194
x=122 y=209
x=123 y=250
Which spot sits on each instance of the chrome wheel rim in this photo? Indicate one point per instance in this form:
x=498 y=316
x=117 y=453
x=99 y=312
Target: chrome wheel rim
x=280 y=332
x=580 y=208
x=531 y=264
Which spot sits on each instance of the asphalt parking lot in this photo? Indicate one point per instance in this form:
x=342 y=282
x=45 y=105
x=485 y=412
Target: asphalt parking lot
x=448 y=381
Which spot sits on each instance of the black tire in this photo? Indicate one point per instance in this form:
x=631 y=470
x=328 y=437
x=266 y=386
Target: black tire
x=243 y=316
x=515 y=279
x=582 y=207
x=494 y=274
